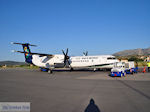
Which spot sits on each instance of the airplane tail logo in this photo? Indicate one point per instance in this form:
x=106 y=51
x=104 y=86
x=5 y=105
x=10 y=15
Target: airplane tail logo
x=27 y=53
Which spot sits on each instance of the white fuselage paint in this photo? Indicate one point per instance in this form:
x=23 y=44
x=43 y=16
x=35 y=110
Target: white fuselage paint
x=99 y=61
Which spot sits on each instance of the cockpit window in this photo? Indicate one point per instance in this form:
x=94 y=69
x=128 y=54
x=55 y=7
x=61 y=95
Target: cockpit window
x=111 y=58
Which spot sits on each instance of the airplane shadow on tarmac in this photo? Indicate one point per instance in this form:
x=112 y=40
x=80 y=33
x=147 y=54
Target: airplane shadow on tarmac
x=79 y=70
x=92 y=107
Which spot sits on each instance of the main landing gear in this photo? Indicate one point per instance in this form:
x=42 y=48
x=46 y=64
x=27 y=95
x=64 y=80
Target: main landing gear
x=94 y=69
x=50 y=71
x=71 y=69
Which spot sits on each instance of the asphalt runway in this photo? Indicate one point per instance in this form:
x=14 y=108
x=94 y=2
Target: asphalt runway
x=77 y=91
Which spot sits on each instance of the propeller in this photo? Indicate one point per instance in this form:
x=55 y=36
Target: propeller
x=85 y=53
x=66 y=57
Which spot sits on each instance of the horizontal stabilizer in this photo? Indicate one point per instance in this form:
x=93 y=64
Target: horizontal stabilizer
x=49 y=55
x=23 y=44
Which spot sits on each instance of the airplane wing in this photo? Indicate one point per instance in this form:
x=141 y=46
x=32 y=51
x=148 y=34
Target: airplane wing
x=41 y=54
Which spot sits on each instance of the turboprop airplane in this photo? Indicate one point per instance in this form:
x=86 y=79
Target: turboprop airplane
x=48 y=62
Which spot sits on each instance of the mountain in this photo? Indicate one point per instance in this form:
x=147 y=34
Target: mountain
x=11 y=63
x=133 y=52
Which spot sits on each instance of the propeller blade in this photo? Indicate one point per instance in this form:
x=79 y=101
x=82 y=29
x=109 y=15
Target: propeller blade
x=68 y=62
x=67 y=52
x=66 y=57
x=64 y=63
x=63 y=52
x=86 y=53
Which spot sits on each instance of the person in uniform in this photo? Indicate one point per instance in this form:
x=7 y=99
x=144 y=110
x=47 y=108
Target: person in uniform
x=148 y=65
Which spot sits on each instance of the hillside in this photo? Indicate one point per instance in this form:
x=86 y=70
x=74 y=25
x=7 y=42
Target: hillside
x=133 y=52
x=11 y=63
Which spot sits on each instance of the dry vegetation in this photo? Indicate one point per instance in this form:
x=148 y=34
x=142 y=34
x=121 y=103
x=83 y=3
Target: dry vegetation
x=20 y=66
x=136 y=58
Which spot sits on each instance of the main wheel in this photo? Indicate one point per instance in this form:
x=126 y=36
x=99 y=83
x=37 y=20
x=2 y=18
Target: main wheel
x=71 y=69
x=94 y=69
x=50 y=71
x=121 y=74
x=124 y=74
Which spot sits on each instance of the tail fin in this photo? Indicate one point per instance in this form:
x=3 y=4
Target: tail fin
x=27 y=52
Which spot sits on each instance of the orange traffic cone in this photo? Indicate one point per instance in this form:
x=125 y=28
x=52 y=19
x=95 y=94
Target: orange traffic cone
x=131 y=71
x=144 y=70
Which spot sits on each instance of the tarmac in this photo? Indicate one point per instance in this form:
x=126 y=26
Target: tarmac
x=77 y=91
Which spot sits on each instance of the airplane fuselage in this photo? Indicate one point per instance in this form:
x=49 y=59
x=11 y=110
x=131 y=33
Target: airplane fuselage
x=99 y=61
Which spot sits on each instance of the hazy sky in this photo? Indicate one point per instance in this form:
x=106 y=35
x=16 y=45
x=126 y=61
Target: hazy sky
x=98 y=26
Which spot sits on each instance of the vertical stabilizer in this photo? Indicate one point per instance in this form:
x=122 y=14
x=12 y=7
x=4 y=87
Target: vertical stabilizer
x=27 y=53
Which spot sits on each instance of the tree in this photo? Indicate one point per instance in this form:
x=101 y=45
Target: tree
x=133 y=58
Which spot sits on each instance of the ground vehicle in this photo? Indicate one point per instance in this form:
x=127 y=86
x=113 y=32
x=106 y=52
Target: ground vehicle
x=118 y=69
x=122 y=68
x=129 y=67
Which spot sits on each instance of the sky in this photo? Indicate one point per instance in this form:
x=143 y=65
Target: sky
x=97 y=26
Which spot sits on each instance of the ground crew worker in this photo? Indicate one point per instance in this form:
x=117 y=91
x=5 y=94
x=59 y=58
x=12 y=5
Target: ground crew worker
x=148 y=65
x=136 y=67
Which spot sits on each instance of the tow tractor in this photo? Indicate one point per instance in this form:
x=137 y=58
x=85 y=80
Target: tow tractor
x=118 y=70
x=122 y=68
